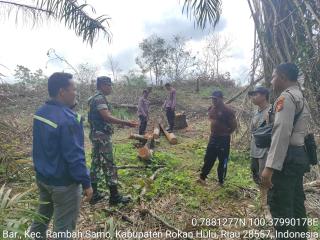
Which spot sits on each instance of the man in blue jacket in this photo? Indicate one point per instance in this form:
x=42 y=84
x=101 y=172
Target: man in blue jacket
x=59 y=159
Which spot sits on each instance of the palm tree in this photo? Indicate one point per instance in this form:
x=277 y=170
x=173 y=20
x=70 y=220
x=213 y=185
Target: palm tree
x=204 y=11
x=70 y=12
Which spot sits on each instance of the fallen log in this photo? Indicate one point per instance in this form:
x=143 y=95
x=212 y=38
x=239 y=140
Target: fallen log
x=170 y=136
x=146 y=152
x=151 y=179
x=131 y=108
x=138 y=137
x=165 y=223
x=180 y=121
x=156 y=131
x=140 y=167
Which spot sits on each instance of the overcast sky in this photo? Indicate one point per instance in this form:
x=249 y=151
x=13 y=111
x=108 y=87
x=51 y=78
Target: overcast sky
x=131 y=22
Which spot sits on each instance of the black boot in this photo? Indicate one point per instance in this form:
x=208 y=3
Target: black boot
x=116 y=198
x=96 y=196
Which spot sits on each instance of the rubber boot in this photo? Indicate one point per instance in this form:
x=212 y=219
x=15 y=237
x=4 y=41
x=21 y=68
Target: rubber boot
x=96 y=196
x=116 y=198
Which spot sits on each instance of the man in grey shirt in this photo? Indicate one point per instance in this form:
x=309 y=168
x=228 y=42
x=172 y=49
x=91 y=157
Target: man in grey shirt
x=260 y=98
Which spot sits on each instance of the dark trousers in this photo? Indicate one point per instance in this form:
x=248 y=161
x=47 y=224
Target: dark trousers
x=286 y=200
x=60 y=202
x=170 y=116
x=255 y=170
x=286 y=197
x=143 y=124
x=218 y=147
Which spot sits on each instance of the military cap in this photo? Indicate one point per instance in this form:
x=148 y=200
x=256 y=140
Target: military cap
x=104 y=80
x=260 y=89
x=217 y=93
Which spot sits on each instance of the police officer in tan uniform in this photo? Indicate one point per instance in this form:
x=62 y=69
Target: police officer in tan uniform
x=287 y=160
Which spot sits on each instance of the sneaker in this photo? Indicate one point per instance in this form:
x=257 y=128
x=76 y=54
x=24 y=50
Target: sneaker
x=202 y=181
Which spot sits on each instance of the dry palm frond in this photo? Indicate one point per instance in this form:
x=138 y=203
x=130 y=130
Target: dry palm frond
x=13 y=212
x=72 y=14
x=23 y=12
x=9 y=202
x=204 y=11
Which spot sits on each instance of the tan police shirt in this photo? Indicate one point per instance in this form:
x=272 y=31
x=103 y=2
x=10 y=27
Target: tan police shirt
x=283 y=133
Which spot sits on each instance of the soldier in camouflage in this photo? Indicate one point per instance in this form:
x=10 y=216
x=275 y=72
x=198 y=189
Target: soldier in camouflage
x=101 y=130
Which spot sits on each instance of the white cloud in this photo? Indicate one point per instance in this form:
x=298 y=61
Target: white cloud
x=28 y=47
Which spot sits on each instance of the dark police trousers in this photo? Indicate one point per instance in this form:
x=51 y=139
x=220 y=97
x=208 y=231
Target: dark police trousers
x=170 y=116
x=286 y=197
x=143 y=124
x=218 y=146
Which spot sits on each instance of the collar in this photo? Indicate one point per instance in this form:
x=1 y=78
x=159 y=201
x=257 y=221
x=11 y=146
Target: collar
x=261 y=110
x=295 y=86
x=55 y=102
x=99 y=92
x=59 y=104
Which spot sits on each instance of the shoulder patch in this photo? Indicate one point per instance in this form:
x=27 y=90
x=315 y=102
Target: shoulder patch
x=100 y=100
x=280 y=103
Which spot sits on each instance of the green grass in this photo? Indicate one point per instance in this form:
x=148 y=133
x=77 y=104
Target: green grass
x=205 y=92
x=178 y=178
x=122 y=113
x=182 y=164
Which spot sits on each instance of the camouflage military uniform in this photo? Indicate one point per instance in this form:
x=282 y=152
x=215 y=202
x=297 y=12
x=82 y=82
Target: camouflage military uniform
x=100 y=136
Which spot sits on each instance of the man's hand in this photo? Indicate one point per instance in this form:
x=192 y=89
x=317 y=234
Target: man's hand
x=266 y=177
x=88 y=194
x=132 y=124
